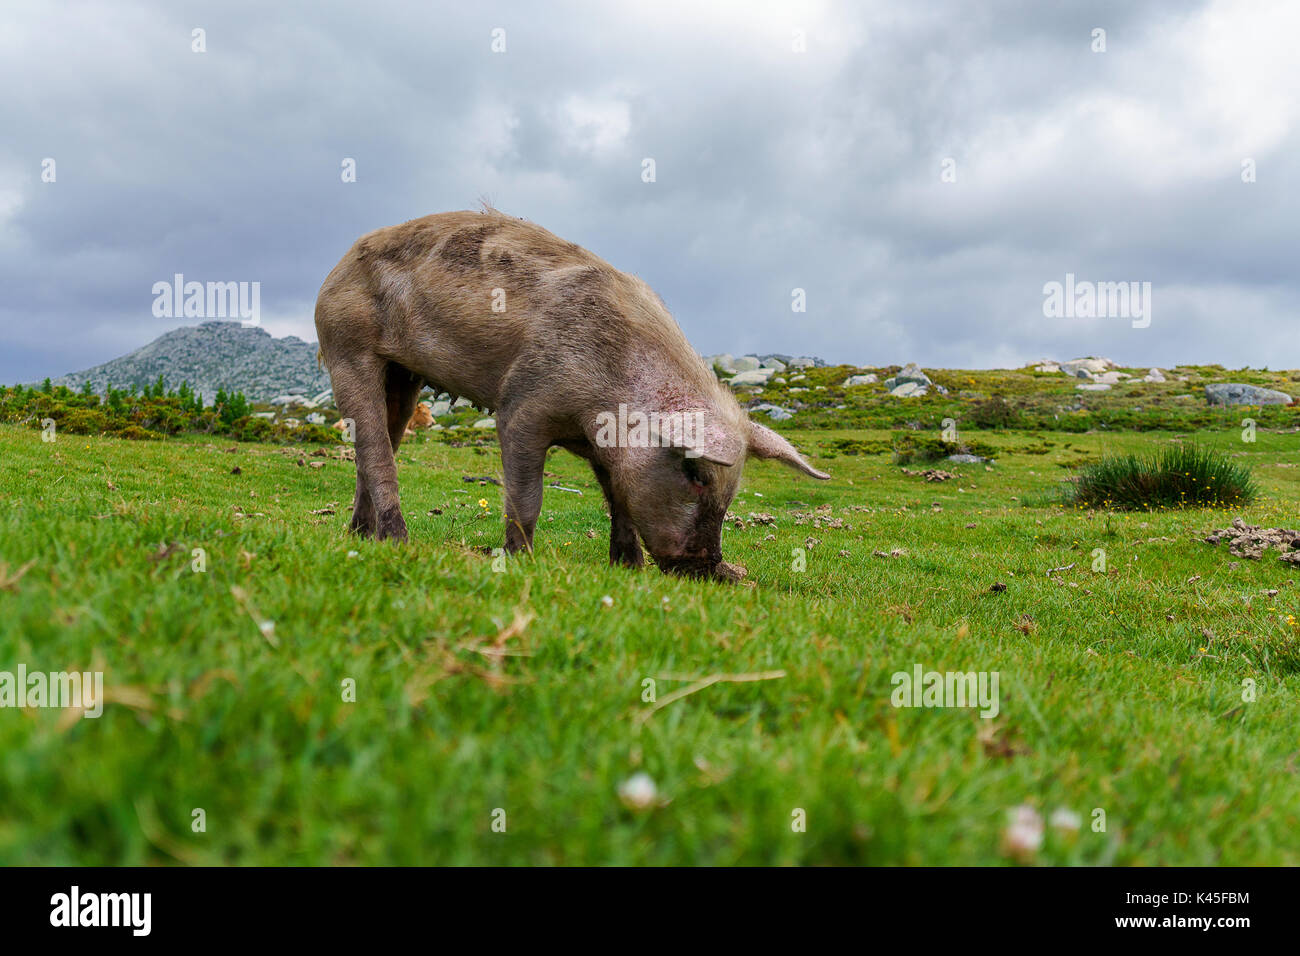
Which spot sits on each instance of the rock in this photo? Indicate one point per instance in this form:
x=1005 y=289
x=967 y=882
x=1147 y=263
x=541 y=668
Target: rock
x=756 y=376
x=868 y=379
x=964 y=459
x=323 y=398
x=1087 y=367
x=773 y=363
x=486 y=423
x=1155 y=375
x=462 y=403
x=774 y=412
x=910 y=373
x=1094 y=387
x=1046 y=366
x=269 y=416
x=724 y=362
x=316 y=418
x=440 y=408
x=1235 y=393
x=747 y=363
x=907 y=390
x=284 y=400
x=1110 y=378
x=805 y=362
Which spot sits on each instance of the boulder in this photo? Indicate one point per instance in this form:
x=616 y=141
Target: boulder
x=462 y=402
x=757 y=376
x=773 y=363
x=907 y=390
x=486 y=423
x=440 y=408
x=316 y=418
x=724 y=362
x=868 y=379
x=803 y=361
x=1094 y=387
x=1235 y=393
x=1087 y=367
x=911 y=374
x=1155 y=375
x=747 y=363
x=774 y=412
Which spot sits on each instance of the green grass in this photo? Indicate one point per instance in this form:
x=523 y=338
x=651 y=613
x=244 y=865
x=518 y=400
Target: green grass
x=1121 y=688
x=1175 y=476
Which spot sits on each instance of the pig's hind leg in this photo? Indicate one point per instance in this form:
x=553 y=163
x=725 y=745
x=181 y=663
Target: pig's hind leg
x=361 y=393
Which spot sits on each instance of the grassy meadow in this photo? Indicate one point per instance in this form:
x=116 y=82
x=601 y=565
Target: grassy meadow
x=311 y=698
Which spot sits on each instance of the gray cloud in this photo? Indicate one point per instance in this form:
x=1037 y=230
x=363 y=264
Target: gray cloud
x=775 y=170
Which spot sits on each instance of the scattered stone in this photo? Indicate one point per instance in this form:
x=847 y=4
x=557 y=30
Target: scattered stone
x=930 y=474
x=486 y=423
x=726 y=571
x=854 y=380
x=1251 y=541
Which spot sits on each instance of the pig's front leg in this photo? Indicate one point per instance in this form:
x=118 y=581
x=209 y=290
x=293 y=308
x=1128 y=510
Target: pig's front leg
x=624 y=546
x=523 y=459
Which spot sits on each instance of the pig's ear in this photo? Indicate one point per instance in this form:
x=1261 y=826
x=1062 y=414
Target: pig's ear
x=765 y=443
x=698 y=434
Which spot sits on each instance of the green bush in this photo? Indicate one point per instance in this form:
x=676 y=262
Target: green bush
x=911 y=448
x=1180 y=476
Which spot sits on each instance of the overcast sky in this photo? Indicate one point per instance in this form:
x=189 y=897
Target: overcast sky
x=775 y=169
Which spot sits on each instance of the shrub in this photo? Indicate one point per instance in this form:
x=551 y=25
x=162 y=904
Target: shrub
x=995 y=412
x=1180 y=476
x=910 y=448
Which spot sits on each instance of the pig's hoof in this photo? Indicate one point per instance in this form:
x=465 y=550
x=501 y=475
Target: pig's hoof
x=392 y=526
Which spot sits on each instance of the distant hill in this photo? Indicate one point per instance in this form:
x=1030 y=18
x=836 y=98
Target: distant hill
x=211 y=356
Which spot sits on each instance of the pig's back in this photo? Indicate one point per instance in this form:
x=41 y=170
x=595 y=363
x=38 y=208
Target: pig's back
x=463 y=297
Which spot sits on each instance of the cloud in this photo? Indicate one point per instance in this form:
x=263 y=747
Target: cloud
x=777 y=167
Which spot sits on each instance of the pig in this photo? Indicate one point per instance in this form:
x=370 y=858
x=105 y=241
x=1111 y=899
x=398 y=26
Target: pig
x=421 y=417
x=567 y=351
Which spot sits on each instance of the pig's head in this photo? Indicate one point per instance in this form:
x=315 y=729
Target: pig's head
x=677 y=490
